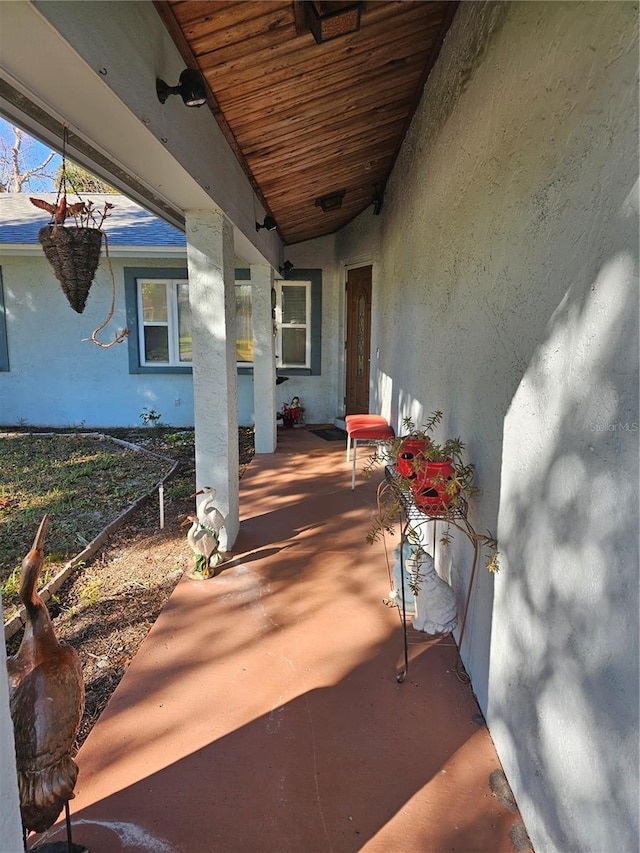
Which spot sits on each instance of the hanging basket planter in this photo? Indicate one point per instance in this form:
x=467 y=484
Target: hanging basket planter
x=73 y=253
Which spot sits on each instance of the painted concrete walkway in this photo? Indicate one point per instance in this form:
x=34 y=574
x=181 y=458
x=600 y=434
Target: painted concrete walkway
x=262 y=714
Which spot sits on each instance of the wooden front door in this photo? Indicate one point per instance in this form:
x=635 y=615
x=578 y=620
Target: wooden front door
x=358 y=343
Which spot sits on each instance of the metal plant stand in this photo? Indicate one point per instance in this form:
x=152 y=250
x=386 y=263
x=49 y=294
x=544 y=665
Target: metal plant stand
x=413 y=518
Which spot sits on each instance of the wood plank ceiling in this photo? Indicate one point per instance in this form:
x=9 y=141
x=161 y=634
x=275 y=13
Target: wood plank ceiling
x=308 y=120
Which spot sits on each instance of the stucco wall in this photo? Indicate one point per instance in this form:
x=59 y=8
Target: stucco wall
x=320 y=394
x=507 y=296
x=58 y=379
x=10 y=827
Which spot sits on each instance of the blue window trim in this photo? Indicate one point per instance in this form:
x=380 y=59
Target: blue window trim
x=315 y=277
x=131 y=274
x=4 y=345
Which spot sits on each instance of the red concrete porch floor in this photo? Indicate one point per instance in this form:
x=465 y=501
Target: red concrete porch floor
x=263 y=715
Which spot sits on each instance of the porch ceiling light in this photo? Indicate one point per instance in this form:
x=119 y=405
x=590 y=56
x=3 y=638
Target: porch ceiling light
x=191 y=88
x=330 y=19
x=269 y=223
x=333 y=201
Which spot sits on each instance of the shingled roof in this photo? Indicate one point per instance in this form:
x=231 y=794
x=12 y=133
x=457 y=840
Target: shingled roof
x=128 y=224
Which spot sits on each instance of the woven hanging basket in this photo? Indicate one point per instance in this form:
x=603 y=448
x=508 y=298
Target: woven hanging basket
x=74 y=254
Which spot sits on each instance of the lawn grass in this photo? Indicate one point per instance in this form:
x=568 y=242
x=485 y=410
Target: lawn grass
x=83 y=483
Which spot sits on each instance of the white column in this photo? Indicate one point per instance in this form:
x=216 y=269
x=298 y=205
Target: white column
x=210 y=258
x=264 y=361
x=10 y=823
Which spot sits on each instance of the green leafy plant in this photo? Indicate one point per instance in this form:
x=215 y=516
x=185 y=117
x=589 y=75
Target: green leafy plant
x=90 y=593
x=454 y=488
x=150 y=418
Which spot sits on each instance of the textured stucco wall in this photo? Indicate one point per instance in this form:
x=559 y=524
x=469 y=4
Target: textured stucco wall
x=58 y=379
x=508 y=298
x=320 y=394
x=10 y=828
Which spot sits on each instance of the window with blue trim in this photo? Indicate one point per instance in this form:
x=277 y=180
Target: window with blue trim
x=299 y=323
x=159 y=320
x=4 y=346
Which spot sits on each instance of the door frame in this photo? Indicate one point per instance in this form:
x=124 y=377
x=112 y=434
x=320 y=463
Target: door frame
x=361 y=261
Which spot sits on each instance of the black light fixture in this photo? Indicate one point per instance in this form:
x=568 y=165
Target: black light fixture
x=330 y=19
x=286 y=268
x=269 y=223
x=333 y=201
x=191 y=88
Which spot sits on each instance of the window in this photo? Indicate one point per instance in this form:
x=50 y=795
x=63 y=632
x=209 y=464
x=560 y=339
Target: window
x=244 y=325
x=294 y=330
x=158 y=310
x=4 y=349
x=299 y=323
x=165 y=322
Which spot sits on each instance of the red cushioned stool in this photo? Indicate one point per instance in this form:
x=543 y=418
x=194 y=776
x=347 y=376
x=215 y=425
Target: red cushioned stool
x=369 y=428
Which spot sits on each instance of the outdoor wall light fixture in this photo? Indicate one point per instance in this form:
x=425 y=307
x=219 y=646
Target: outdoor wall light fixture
x=286 y=268
x=330 y=19
x=191 y=88
x=333 y=201
x=269 y=223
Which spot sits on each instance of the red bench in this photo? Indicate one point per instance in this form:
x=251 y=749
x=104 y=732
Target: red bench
x=365 y=428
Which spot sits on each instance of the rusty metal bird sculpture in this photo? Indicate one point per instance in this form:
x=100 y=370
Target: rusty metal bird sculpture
x=61 y=210
x=46 y=692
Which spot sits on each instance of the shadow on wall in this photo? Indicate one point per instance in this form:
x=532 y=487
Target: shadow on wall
x=569 y=530
x=562 y=656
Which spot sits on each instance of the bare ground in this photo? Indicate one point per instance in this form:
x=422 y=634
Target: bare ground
x=106 y=609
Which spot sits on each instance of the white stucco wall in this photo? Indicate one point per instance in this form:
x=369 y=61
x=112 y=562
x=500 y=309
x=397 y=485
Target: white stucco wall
x=320 y=394
x=507 y=296
x=10 y=825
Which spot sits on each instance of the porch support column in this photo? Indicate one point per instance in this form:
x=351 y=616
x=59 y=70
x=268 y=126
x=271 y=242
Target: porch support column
x=10 y=821
x=264 y=361
x=210 y=259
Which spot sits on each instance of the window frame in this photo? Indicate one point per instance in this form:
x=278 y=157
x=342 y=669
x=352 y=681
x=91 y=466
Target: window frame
x=132 y=274
x=172 y=323
x=4 y=341
x=314 y=322
x=135 y=322
x=135 y=342
x=281 y=325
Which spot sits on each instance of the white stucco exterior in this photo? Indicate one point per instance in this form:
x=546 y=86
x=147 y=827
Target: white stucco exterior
x=505 y=293
x=507 y=296
x=10 y=824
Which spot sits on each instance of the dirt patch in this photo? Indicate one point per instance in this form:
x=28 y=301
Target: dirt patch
x=106 y=609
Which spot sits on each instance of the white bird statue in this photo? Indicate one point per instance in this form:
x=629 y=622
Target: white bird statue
x=203 y=535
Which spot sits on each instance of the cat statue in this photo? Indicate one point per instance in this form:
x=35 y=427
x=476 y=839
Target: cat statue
x=435 y=608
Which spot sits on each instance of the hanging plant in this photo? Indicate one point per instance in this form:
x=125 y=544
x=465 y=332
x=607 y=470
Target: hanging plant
x=74 y=250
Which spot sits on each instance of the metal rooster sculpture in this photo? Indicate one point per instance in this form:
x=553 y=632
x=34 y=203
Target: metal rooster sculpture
x=46 y=693
x=204 y=535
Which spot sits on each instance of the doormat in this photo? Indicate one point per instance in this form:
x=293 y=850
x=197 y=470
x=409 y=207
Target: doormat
x=330 y=433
